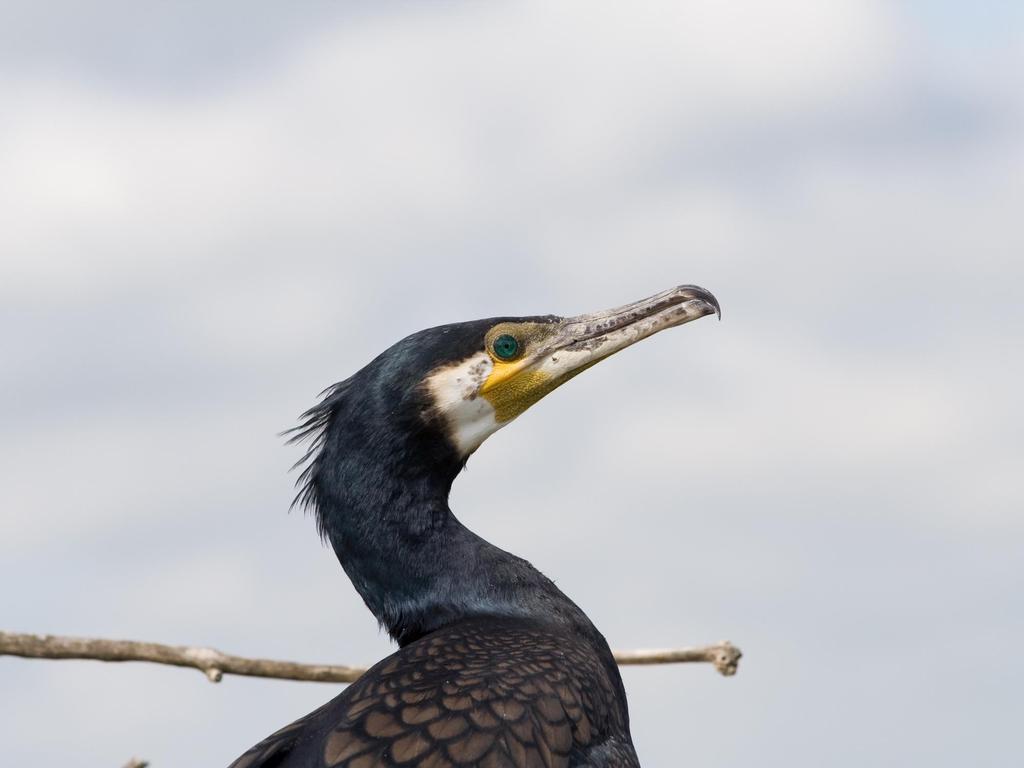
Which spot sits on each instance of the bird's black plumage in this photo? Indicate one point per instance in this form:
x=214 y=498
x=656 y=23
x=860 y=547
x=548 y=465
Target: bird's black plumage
x=496 y=666
x=487 y=691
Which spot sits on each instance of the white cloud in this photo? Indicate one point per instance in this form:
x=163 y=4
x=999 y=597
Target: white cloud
x=395 y=122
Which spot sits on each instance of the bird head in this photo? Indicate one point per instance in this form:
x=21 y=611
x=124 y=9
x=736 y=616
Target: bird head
x=508 y=364
x=424 y=405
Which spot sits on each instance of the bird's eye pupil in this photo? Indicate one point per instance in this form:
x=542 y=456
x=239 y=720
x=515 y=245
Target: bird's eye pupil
x=506 y=347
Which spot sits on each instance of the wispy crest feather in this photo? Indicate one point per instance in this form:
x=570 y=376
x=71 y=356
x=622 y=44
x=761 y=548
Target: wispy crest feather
x=312 y=429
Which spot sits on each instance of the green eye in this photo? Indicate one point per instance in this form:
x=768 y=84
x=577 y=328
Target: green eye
x=506 y=347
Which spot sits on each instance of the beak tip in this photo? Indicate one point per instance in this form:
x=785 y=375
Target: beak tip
x=704 y=295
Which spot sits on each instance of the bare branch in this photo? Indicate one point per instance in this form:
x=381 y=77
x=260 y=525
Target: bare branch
x=215 y=664
x=209 y=661
x=725 y=656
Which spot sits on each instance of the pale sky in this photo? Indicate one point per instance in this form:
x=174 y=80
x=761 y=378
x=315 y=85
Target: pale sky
x=209 y=212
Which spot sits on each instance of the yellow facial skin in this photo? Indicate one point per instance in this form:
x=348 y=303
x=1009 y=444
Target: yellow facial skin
x=511 y=388
x=551 y=353
x=515 y=385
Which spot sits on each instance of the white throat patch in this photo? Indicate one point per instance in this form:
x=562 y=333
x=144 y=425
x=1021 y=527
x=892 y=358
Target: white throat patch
x=455 y=390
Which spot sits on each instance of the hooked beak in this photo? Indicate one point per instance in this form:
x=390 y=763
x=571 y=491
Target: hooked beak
x=576 y=343
x=605 y=333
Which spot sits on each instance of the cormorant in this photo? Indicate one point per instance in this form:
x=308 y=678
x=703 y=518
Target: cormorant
x=496 y=667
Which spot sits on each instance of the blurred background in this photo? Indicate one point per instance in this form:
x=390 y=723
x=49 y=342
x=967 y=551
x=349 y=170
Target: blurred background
x=210 y=211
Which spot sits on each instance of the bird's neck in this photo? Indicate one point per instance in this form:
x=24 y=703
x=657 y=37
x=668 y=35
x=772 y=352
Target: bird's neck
x=414 y=564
